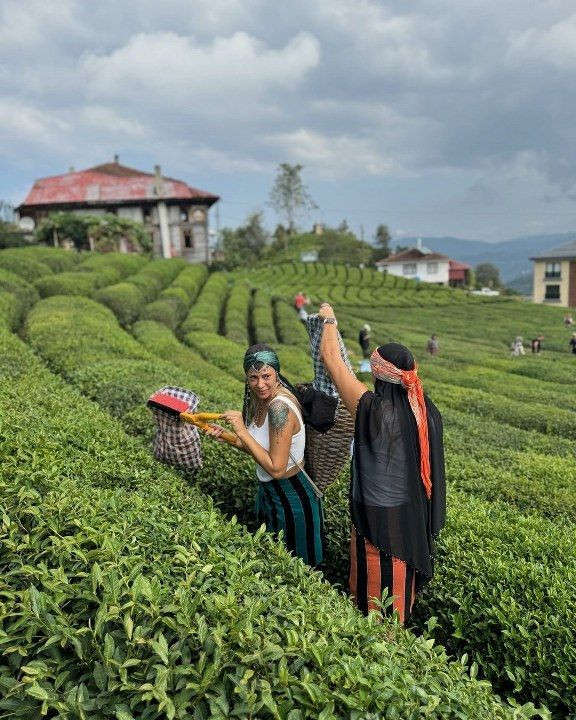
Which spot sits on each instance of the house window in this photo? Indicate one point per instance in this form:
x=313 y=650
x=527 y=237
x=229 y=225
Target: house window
x=552 y=292
x=188 y=239
x=552 y=270
x=409 y=269
x=147 y=214
x=183 y=214
x=432 y=268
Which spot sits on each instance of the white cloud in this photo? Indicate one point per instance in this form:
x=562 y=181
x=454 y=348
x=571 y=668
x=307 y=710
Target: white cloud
x=105 y=120
x=332 y=157
x=554 y=45
x=23 y=126
x=227 y=74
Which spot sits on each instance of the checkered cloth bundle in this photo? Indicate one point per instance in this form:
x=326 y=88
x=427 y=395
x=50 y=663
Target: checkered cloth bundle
x=322 y=381
x=177 y=443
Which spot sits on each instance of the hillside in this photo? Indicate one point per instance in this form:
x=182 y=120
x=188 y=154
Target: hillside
x=132 y=589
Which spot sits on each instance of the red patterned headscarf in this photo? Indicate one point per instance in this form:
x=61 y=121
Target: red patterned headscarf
x=384 y=370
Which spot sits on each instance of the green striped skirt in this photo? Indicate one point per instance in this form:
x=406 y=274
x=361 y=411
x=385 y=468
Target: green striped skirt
x=290 y=504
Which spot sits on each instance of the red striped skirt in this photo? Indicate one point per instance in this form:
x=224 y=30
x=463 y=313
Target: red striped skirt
x=371 y=572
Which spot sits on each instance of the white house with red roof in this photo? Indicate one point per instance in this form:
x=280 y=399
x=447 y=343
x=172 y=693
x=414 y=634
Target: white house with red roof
x=421 y=263
x=175 y=213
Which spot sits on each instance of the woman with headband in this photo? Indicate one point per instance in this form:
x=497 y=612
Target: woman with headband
x=270 y=429
x=397 y=491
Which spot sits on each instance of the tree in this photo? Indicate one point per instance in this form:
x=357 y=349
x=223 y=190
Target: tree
x=344 y=247
x=487 y=275
x=246 y=244
x=382 y=243
x=289 y=196
x=106 y=231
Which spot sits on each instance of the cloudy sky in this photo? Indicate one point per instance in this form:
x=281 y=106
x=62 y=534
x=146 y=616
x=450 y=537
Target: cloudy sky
x=436 y=117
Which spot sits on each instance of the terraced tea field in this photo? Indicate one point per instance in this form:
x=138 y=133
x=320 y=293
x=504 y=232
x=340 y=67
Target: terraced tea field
x=131 y=590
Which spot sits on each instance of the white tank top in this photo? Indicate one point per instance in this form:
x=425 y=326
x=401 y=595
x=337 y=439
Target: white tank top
x=262 y=437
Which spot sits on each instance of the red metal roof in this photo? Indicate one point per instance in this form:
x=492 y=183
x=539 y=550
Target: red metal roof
x=457 y=265
x=109 y=183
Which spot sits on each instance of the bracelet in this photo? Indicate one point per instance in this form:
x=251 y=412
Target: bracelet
x=331 y=321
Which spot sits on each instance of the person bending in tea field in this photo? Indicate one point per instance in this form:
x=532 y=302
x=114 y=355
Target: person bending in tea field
x=270 y=429
x=397 y=491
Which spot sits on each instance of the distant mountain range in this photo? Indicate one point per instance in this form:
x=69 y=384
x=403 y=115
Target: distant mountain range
x=510 y=256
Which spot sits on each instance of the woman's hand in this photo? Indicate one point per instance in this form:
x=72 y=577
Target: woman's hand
x=325 y=310
x=215 y=432
x=236 y=420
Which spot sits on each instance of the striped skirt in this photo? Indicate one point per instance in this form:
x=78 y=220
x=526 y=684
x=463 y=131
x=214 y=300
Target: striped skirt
x=371 y=572
x=290 y=504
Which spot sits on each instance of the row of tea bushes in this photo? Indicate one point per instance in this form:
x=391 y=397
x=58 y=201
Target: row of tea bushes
x=173 y=305
x=82 y=341
x=148 y=605
x=162 y=343
x=34 y=262
x=289 y=328
x=459 y=547
x=237 y=313
x=205 y=315
x=16 y=296
x=262 y=318
x=94 y=272
x=128 y=298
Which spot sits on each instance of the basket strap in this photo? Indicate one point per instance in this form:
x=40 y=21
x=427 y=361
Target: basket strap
x=319 y=494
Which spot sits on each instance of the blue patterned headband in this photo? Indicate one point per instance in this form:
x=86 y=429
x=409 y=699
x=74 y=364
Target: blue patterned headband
x=266 y=357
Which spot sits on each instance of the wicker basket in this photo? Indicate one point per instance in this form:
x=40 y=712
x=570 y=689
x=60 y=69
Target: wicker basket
x=325 y=454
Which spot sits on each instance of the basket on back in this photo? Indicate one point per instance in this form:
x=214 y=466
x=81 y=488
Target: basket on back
x=329 y=426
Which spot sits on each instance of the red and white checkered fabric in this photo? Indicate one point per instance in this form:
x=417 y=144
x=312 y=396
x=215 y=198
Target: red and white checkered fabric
x=177 y=443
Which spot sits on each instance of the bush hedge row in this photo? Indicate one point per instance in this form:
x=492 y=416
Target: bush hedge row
x=147 y=604
x=237 y=313
x=173 y=304
x=127 y=299
x=262 y=318
x=94 y=272
x=289 y=328
x=206 y=313
x=515 y=624
x=16 y=297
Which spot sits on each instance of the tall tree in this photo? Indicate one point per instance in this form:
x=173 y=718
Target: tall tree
x=245 y=244
x=487 y=275
x=382 y=243
x=289 y=196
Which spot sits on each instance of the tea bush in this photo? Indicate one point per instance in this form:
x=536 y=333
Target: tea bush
x=262 y=318
x=125 y=595
x=232 y=493
x=174 y=303
x=26 y=268
x=205 y=315
x=237 y=312
x=289 y=328
x=16 y=296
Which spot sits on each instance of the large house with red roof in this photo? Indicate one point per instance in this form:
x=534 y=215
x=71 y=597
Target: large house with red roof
x=420 y=263
x=175 y=213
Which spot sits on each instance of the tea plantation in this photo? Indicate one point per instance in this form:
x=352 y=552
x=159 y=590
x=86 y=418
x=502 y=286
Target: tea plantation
x=132 y=590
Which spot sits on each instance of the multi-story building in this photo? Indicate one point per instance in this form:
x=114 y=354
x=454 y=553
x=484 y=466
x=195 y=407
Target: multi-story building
x=555 y=276
x=175 y=213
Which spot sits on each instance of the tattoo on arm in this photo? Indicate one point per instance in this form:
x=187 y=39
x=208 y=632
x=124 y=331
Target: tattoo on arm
x=278 y=417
